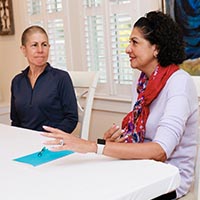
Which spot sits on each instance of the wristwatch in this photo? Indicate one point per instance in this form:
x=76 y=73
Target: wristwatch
x=100 y=145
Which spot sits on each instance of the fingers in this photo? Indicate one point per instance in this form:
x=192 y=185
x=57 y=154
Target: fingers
x=57 y=138
x=109 y=133
x=117 y=136
x=53 y=133
x=52 y=130
x=53 y=142
x=57 y=148
x=114 y=134
x=121 y=139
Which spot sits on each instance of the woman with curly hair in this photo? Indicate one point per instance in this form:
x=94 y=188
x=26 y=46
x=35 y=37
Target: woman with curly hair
x=164 y=121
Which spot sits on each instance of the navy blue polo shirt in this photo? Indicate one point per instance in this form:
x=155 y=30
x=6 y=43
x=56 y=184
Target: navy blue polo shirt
x=51 y=102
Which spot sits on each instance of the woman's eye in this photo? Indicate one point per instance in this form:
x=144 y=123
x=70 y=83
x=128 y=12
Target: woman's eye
x=134 y=42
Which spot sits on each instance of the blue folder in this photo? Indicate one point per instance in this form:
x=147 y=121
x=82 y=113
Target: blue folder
x=37 y=158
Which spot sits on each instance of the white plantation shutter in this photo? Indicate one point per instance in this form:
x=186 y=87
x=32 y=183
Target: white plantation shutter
x=57 y=41
x=120 y=32
x=107 y=25
x=34 y=7
x=95 y=45
x=53 y=6
x=50 y=15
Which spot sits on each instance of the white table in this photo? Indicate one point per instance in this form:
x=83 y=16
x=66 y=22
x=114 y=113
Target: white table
x=77 y=176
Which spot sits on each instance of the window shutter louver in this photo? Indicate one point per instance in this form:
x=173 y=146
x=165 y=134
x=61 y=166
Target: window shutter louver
x=49 y=14
x=107 y=29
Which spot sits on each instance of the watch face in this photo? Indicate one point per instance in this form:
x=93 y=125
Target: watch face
x=101 y=141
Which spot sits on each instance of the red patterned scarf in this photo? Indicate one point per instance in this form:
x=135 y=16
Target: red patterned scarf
x=134 y=122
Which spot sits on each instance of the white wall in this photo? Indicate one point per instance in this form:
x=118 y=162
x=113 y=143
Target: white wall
x=12 y=61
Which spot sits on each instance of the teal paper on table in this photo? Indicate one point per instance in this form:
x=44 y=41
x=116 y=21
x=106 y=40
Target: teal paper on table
x=46 y=156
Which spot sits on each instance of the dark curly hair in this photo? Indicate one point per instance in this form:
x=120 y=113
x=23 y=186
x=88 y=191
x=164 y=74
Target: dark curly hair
x=160 y=29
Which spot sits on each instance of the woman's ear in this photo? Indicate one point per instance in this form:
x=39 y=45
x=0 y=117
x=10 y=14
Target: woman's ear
x=156 y=51
x=23 y=49
x=155 y=54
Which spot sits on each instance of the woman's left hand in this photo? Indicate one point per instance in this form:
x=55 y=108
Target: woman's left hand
x=114 y=134
x=64 y=141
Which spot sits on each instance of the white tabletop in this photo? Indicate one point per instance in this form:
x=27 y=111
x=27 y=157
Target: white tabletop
x=77 y=176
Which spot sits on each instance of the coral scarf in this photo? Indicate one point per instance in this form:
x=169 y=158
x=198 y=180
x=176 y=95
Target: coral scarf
x=134 y=122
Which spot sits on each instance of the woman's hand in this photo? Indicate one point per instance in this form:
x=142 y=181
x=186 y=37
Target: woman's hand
x=60 y=140
x=114 y=134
